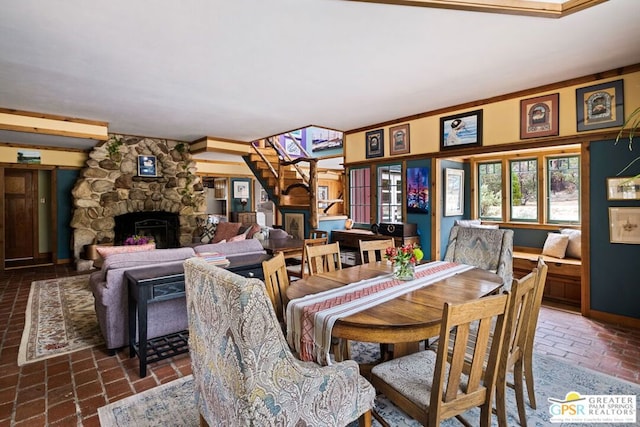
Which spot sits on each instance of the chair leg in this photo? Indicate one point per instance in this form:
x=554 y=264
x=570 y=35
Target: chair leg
x=528 y=373
x=519 y=389
x=203 y=422
x=365 y=419
x=501 y=396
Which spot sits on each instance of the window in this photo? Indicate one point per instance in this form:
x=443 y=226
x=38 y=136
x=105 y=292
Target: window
x=390 y=193
x=541 y=187
x=490 y=183
x=360 y=195
x=524 y=190
x=563 y=184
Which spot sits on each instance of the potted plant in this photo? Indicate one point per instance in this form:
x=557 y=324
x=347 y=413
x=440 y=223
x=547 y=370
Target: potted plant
x=630 y=125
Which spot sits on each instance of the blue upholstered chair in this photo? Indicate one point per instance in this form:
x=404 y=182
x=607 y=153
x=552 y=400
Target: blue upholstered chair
x=244 y=371
x=486 y=248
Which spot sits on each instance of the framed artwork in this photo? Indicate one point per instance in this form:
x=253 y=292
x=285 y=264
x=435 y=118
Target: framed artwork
x=453 y=192
x=600 y=106
x=323 y=194
x=623 y=188
x=294 y=225
x=399 y=140
x=461 y=130
x=375 y=143
x=147 y=166
x=418 y=190
x=240 y=190
x=624 y=225
x=540 y=116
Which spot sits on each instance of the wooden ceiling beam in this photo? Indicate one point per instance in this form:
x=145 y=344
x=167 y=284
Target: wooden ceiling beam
x=25 y=121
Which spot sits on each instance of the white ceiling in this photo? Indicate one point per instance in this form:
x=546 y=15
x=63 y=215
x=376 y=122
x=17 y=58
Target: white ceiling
x=247 y=69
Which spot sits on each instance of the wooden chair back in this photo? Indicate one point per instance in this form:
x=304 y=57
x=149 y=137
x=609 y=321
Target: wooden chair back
x=373 y=250
x=302 y=270
x=536 y=302
x=276 y=281
x=447 y=397
x=323 y=258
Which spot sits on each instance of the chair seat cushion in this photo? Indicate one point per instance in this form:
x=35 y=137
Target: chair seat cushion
x=412 y=376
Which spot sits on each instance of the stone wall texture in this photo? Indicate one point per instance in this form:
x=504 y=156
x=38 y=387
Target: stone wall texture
x=109 y=186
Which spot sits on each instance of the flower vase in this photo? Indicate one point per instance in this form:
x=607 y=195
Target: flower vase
x=404 y=271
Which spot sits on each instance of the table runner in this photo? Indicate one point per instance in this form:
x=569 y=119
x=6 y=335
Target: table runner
x=310 y=319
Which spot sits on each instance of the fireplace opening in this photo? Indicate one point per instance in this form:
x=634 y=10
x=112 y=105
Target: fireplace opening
x=163 y=227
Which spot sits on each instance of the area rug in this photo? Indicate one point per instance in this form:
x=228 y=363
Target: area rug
x=173 y=403
x=60 y=319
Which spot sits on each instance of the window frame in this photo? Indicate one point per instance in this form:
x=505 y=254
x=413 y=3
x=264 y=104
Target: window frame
x=547 y=179
x=399 y=185
x=368 y=205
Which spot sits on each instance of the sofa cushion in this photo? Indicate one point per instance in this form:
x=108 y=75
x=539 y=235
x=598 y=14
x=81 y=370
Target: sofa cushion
x=230 y=249
x=105 y=251
x=208 y=232
x=225 y=231
x=138 y=259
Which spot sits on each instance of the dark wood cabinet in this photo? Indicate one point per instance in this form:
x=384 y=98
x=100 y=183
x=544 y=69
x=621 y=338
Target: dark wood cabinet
x=350 y=239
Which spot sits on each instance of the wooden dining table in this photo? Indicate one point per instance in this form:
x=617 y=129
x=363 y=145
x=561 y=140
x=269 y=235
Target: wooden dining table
x=406 y=320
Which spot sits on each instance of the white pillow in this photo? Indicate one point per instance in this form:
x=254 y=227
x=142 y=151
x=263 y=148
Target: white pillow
x=574 y=248
x=467 y=222
x=555 y=245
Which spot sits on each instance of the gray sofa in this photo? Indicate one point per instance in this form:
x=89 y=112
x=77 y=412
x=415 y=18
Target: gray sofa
x=109 y=289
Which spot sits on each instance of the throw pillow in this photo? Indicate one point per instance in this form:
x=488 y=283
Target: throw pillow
x=226 y=230
x=251 y=231
x=277 y=233
x=208 y=232
x=467 y=222
x=237 y=238
x=574 y=248
x=555 y=245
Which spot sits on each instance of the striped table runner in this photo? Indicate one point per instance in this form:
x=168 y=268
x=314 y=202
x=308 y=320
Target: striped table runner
x=310 y=319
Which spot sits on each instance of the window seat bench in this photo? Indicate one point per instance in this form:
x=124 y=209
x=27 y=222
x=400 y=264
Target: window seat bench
x=563 y=277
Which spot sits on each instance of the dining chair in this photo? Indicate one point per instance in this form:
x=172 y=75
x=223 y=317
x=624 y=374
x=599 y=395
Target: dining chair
x=315 y=234
x=276 y=280
x=487 y=248
x=301 y=270
x=374 y=250
x=323 y=258
x=429 y=386
x=243 y=370
x=536 y=302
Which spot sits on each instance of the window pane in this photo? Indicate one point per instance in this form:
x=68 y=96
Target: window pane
x=390 y=193
x=524 y=190
x=564 y=189
x=360 y=195
x=490 y=183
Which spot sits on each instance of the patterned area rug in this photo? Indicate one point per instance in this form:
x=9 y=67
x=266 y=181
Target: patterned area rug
x=173 y=403
x=60 y=319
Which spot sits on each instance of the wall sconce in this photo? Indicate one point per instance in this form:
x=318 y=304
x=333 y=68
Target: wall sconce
x=243 y=202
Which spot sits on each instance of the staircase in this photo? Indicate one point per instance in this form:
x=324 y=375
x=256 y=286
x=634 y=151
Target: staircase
x=285 y=180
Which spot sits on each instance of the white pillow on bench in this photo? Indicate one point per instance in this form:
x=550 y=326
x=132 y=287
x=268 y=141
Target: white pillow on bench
x=556 y=245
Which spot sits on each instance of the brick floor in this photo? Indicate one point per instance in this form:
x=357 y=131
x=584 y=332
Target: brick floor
x=68 y=390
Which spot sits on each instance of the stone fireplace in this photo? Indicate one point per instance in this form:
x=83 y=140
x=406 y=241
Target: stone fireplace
x=165 y=205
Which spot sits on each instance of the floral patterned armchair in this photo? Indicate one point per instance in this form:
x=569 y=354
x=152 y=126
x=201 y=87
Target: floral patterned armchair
x=486 y=248
x=244 y=371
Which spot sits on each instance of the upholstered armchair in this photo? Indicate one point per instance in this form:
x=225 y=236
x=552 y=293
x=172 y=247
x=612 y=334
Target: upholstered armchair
x=486 y=248
x=244 y=371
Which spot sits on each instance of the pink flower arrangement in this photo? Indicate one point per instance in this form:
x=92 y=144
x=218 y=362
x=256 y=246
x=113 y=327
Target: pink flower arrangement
x=138 y=240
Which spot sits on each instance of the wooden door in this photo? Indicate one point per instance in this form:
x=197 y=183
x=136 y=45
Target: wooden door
x=19 y=198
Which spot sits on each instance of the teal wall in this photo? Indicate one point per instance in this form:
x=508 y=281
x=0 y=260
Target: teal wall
x=65 y=180
x=614 y=272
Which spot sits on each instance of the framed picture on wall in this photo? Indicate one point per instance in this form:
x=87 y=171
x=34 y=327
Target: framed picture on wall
x=453 y=192
x=375 y=143
x=294 y=225
x=461 y=130
x=399 y=140
x=539 y=116
x=147 y=166
x=625 y=188
x=600 y=106
x=624 y=225
x=240 y=190
x=418 y=190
